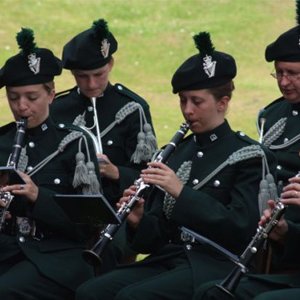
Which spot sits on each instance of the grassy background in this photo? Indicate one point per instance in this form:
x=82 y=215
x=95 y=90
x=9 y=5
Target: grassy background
x=155 y=37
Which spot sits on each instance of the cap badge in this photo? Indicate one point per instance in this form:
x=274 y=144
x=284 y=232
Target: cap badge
x=34 y=63
x=105 y=45
x=209 y=66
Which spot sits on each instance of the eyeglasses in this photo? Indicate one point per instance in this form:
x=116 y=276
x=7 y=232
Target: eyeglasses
x=289 y=76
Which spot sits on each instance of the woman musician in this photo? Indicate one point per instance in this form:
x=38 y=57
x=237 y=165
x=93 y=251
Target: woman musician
x=40 y=247
x=209 y=184
x=281 y=135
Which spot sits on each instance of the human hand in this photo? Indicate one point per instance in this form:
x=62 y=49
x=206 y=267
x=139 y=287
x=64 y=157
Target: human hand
x=291 y=193
x=29 y=190
x=107 y=168
x=137 y=211
x=281 y=228
x=161 y=175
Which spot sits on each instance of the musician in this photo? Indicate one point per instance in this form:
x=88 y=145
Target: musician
x=124 y=119
x=280 y=285
x=40 y=247
x=279 y=126
x=197 y=188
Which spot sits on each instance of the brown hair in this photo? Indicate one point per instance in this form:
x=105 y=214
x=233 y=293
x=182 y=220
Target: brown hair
x=222 y=90
x=49 y=86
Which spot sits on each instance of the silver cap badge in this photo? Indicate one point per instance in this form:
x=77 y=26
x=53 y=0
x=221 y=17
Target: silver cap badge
x=34 y=63
x=209 y=66
x=105 y=45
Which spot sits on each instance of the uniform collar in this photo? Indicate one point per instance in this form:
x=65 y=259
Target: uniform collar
x=212 y=136
x=296 y=107
x=108 y=88
x=42 y=128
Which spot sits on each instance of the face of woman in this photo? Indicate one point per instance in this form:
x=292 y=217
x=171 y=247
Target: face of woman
x=31 y=102
x=201 y=110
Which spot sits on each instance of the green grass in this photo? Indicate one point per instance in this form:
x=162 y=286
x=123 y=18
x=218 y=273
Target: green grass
x=154 y=38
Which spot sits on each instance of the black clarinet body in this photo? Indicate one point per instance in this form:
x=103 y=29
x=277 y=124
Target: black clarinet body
x=230 y=283
x=93 y=255
x=18 y=143
x=9 y=171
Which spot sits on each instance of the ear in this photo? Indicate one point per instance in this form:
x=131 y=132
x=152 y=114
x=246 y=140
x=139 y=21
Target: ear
x=111 y=63
x=51 y=96
x=222 y=104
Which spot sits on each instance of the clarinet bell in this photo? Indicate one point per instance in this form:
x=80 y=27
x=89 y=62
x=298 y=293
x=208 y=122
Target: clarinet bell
x=93 y=259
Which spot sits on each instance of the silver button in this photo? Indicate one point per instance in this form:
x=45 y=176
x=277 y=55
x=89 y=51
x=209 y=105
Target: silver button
x=110 y=142
x=61 y=125
x=279 y=167
x=120 y=88
x=31 y=144
x=195 y=181
x=295 y=113
x=21 y=239
x=29 y=168
x=57 y=181
x=200 y=154
x=285 y=140
x=242 y=134
x=90 y=108
x=217 y=183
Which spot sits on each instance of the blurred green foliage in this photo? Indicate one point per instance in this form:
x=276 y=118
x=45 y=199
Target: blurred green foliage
x=155 y=37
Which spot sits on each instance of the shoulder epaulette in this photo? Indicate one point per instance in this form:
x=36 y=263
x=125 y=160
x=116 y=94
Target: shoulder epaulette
x=241 y=135
x=123 y=90
x=68 y=127
x=273 y=103
x=7 y=127
x=263 y=110
x=63 y=93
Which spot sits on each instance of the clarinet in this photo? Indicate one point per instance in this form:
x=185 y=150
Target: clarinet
x=230 y=283
x=11 y=167
x=93 y=256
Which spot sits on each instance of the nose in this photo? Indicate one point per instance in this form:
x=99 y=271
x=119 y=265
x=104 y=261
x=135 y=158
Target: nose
x=22 y=105
x=92 y=82
x=187 y=108
x=284 y=81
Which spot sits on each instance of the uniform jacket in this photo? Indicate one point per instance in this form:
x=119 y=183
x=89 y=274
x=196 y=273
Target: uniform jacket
x=56 y=250
x=282 y=128
x=120 y=142
x=282 y=121
x=225 y=209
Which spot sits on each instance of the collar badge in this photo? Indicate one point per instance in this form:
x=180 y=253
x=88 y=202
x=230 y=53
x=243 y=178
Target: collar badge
x=213 y=137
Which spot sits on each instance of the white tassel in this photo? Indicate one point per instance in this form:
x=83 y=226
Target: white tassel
x=81 y=171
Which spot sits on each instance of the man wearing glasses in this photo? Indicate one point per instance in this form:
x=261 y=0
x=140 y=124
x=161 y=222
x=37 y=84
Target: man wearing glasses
x=279 y=122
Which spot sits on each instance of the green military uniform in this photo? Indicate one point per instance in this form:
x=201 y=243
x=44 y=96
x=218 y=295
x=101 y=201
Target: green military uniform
x=218 y=202
x=292 y=294
x=279 y=131
x=54 y=245
x=282 y=136
x=41 y=247
x=125 y=124
x=119 y=139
